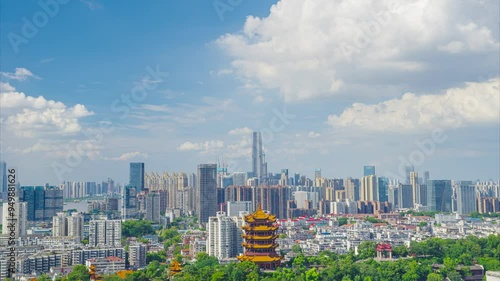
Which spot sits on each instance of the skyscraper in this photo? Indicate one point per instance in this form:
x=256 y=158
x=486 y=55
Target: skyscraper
x=439 y=194
x=369 y=189
x=129 y=202
x=137 y=176
x=405 y=194
x=383 y=187
x=259 y=165
x=368 y=171
x=466 y=198
x=414 y=187
x=43 y=202
x=207 y=192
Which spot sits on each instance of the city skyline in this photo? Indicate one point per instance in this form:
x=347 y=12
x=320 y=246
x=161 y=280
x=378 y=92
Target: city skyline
x=329 y=93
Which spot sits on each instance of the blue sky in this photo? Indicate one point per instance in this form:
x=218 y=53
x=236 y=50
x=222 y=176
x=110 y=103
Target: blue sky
x=366 y=83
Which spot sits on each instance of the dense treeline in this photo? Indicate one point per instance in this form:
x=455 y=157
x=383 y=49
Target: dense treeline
x=415 y=264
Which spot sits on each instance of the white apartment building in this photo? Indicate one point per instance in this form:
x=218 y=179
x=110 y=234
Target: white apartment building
x=105 y=233
x=224 y=236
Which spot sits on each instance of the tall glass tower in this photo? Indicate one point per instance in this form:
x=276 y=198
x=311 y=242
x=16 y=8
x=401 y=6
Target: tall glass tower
x=137 y=176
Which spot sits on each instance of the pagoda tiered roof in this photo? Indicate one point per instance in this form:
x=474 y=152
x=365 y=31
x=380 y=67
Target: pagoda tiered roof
x=259 y=259
x=259 y=215
x=260 y=235
x=260 y=228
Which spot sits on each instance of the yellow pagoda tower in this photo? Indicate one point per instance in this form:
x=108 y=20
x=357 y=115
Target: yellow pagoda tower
x=175 y=267
x=260 y=235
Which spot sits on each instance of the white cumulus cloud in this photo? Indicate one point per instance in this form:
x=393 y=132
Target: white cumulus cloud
x=128 y=156
x=309 y=49
x=28 y=115
x=205 y=147
x=240 y=131
x=475 y=103
x=19 y=74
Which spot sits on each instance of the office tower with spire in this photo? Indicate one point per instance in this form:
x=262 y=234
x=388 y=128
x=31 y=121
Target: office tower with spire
x=207 y=192
x=259 y=165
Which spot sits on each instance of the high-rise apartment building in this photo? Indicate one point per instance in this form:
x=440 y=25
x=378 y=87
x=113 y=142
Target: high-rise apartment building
x=369 y=188
x=224 y=236
x=207 y=192
x=137 y=255
x=368 y=171
x=137 y=176
x=272 y=198
x=238 y=193
x=19 y=217
x=67 y=225
x=59 y=225
x=466 y=198
x=105 y=233
x=439 y=195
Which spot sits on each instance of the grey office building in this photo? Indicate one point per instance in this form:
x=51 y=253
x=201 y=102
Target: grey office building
x=466 y=198
x=207 y=192
x=405 y=194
